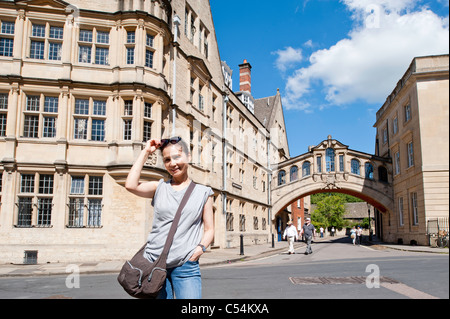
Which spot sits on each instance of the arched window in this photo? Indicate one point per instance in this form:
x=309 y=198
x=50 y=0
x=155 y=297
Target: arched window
x=306 y=169
x=369 y=170
x=355 y=167
x=281 y=178
x=294 y=173
x=382 y=174
x=330 y=160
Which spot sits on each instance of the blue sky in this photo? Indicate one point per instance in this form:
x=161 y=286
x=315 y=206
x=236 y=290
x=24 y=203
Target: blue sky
x=334 y=61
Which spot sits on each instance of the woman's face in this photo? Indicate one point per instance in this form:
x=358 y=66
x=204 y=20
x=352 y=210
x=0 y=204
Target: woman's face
x=176 y=161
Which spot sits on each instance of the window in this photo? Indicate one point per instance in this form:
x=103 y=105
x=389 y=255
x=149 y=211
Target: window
x=201 y=102
x=206 y=45
x=319 y=164
x=6 y=38
x=89 y=119
x=40 y=116
x=230 y=221
x=395 y=125
x=229 y=116
x=46 y=42
x=241 y=169
x=341 y=163
x=255 y=223
x=330 y=160
x=414 y=208
x=407 y=112
x=400 y=211
x=149 y=50
x=281 y=178
x=255 y=177
x=193 y=29
x=369 y=170
x=230 y=161
x=410 y=154
x=3 y=113
x=385 y=135
x=147 y=135
x=35 y=199
x=397 y=163
x=130 y=46
x=382 y=174
x=85 y=203
x=293 y=174
x=355 y=167
x=127 y=120
x=93 y=43
x=306 y=169
x=242 y=222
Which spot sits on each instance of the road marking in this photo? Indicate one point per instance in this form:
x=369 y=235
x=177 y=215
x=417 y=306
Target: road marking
x=371 y=249
x=385 y=282
x=407 y=291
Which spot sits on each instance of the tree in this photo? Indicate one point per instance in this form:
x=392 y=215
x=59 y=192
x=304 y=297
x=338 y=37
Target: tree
x=329 y=212
x=315 y=198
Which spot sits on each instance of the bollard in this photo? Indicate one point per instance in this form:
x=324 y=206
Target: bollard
x=273 y=240
x=242 y=245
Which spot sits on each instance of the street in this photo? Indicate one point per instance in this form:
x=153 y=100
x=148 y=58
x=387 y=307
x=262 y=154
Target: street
x=417 y=275
x=336 y=270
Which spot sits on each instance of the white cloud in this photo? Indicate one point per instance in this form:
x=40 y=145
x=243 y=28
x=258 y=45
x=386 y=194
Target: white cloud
x=287 y=58
x=309 y=44
x=367 y=65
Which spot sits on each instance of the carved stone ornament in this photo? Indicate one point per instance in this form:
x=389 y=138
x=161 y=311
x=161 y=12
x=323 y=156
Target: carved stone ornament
x=331 y=182
x=152 y=160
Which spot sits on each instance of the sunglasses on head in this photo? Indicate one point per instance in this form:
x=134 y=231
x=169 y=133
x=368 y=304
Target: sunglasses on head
x=172 y=141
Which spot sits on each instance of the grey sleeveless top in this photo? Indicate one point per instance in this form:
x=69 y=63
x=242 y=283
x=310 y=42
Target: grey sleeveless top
x=190 y=228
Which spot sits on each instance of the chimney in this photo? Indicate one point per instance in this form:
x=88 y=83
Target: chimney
x=245 y=71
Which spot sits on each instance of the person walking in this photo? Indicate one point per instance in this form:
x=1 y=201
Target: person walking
x=332 y=231
x=195 y=230
x=358 y=235
x=309 y=231
x=321 y=232
x=291 y=233
x=353 y=235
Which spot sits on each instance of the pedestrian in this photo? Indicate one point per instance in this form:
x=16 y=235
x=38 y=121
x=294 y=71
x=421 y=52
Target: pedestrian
x=321 y=232
x=190 y=242
x=353 y=234
x=332 y=231
x=291 y=233
x=309 y=231
x=358 y=235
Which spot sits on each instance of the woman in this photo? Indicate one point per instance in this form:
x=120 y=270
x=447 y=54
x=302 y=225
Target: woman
x=353 y=234
x=183 y=270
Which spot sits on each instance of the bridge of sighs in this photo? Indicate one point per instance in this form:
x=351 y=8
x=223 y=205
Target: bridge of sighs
x=333 y=167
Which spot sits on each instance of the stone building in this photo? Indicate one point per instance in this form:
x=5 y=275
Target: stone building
x=413 y=130
x=83 y=84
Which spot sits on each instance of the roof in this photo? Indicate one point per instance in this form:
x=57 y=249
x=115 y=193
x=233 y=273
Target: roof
x=265 y=110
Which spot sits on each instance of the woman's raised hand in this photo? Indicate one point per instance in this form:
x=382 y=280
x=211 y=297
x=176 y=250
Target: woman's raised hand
x=152 y=146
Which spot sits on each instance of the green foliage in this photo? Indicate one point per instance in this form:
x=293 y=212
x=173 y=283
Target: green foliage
x=329 y=212
x=346 y=198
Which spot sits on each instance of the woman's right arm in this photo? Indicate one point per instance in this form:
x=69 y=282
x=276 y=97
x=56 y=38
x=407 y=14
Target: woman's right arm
x=148 y=189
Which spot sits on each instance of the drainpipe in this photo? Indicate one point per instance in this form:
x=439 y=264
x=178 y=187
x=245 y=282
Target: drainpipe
x=224 y=163
x=176 y=24
x=269 y=188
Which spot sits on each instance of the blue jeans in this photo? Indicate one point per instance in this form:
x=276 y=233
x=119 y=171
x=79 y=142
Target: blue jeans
x=183 y=282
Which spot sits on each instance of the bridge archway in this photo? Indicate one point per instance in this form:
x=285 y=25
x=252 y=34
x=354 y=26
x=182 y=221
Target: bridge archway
x=331 y=167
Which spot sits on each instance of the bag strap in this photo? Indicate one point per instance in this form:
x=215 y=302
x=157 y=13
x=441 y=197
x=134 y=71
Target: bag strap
x=175 y=222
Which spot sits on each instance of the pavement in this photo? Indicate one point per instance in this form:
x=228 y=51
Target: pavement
x=212 y=257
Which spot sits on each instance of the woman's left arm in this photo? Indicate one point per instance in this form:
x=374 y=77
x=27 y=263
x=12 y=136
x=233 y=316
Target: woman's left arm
x=208 y=227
